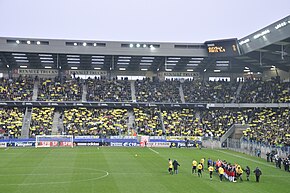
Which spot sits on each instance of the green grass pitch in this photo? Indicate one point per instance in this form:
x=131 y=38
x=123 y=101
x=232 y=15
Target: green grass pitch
x=119 y=170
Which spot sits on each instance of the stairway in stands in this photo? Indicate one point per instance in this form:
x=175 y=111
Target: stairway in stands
x=85 y=91
x=26 y=123
x=238 y=92
x=130 y=123
x=133 y=91
x=181 y=94
x=162 y=122
x=55 y=123
x=35 y=90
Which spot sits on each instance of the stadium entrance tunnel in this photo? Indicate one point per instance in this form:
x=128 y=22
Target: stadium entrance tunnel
x=49 y=175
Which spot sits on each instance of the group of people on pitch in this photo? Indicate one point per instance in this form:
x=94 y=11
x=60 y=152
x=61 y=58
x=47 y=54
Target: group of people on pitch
x=224 y=169
x=173 y=166
x=235 y=172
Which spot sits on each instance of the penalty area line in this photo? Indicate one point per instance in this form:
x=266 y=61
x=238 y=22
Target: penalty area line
x=153 y=150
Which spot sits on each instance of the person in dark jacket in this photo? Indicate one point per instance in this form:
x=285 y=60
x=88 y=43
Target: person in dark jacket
x=258 y=173
x=248 y=171
x=175 y=166
x=268 y=156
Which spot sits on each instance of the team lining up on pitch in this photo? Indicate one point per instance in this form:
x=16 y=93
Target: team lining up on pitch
x=226 y=170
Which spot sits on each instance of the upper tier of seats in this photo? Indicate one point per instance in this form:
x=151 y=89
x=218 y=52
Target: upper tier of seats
x=108 y=90
x=155 y=91
x=217 y=92
x=60 y=90
x=16 y=89
x=168 y=91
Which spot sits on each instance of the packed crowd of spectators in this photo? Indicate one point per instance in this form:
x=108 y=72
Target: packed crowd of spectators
x=108 y=90
x=146 y=90
x=60 y=89
x=11 y=122
x=216 y=122
x=270 y=126
x=266 y=125
x=258 y=91
x=101 y=122
x=179 y=122
x=167 y=91
x=209 y=91
x=148 y=121
x=16 y=89
x=41 y=121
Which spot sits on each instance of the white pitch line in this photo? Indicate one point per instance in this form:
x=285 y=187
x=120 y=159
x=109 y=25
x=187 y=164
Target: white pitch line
x=282 y=176
x=153 y=150
x=64 y=182
x=247 y=159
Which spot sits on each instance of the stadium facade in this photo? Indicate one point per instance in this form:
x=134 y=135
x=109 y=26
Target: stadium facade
x=263 y=55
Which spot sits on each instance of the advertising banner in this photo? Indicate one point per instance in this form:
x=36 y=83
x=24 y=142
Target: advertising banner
x=178 y=138
x=37 y=72
x=3 y=144
x=123 y=144
x=87 y=137
x=123 y=137
x=159 y=144
x=187 y=144
x=88 y=144
x=24 y=144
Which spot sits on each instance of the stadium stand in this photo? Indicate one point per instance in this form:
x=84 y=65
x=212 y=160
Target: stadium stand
x=148 y=121
x=101 y=122
x=270 y=126
x=209 y=91
x=182 y=122
x=16 y=89
x=108 y=90
x=60 y=90
x=155 y=91
x=41 y=121
x=216 y=122
x=258 y=91
x=164 y=105
x=11 y=122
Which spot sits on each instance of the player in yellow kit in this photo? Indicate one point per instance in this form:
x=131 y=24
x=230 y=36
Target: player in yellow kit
x=202 y=163
x=194 y=164
x=210 y=169
x=221 y=173
x=239 y=172
x=199 y=170
x=170 y=166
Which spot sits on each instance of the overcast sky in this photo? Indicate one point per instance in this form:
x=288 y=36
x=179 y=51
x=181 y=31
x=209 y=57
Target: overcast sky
x=138 y=20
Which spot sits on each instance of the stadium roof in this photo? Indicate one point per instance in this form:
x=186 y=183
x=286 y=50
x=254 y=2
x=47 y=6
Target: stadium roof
x=262 y=50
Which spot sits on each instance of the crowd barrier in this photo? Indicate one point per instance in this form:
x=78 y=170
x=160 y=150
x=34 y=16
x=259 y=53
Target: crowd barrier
x=126 y=141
